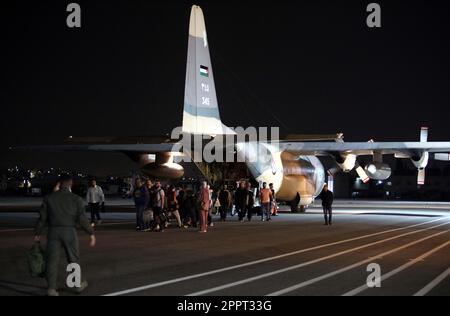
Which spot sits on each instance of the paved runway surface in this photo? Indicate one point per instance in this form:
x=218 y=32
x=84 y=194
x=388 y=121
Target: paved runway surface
x=292 y=255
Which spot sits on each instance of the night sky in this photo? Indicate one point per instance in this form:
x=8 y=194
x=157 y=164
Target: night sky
x=306 y=66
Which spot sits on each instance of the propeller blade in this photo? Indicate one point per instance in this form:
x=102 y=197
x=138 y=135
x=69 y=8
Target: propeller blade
x=424 y=135
x=421 y=177
x=421 y=171
x=362 y=173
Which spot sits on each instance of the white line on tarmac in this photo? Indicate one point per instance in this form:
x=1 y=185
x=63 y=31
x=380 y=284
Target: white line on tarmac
x=251 y=263
x=304 y=264
x=399 y=269
x=115 y=224
x=353 y=266
x=433 y=283
x=31 y=229
x=15 y=230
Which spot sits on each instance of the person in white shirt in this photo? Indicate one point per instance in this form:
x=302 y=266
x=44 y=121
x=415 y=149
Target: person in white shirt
x=94 y=199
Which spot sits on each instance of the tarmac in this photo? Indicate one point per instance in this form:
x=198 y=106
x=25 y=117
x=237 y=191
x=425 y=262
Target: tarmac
x=293 y=255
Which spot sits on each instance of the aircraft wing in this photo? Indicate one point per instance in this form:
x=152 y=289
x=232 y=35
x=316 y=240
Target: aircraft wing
x=136 y=148
x=300 y=148
x=133 y=144
x=365 y=148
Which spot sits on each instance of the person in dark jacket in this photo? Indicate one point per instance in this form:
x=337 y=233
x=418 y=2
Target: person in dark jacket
x=181 y=198
x=191 y=209
x=327 y=204
x=61 y=212
x=141 y=200
x=225 y=201
x=250 y=201
x=240 y=200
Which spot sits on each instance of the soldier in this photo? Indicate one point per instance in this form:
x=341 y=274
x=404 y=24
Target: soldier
x=61 y=211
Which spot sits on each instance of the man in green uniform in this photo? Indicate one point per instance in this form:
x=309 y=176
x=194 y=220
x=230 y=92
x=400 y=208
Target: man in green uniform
x=61 y=212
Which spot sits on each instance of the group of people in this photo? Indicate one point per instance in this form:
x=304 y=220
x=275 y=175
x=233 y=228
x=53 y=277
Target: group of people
x=156 y=205
x=62 y=211
x=244 y=202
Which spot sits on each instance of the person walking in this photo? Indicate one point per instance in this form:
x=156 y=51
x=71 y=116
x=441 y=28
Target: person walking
x=181 y=198
x=158 y=207
x=240 y=201
x=203 y=206
x=149 y=219
x=273 y=201
x=265 y=196
x=173 y=206
x=211 y=205
x=141 y=199
x=250 y=202
x=225 y=201
x=327 y=203
x=61 y=212
x=191 y=209
x=95 y=198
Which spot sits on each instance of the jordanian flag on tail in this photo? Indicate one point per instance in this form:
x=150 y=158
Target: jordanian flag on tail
x=204 y=71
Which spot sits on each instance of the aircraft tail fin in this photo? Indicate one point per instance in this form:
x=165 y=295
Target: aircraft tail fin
x=201 y=110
